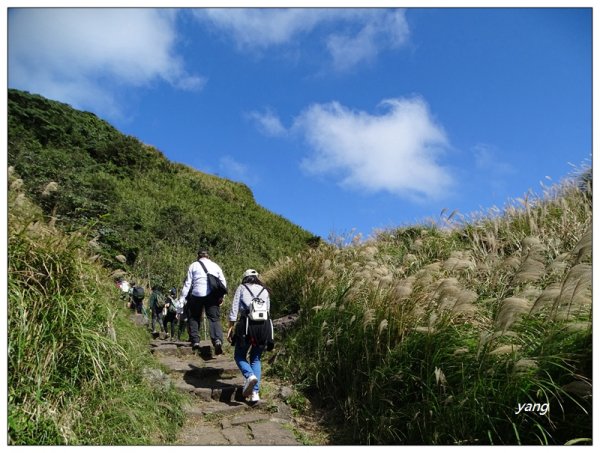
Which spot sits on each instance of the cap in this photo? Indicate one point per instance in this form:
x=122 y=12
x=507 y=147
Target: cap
x=250 y=272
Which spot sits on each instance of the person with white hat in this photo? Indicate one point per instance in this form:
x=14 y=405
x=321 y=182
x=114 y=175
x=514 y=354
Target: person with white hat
x=254 y=332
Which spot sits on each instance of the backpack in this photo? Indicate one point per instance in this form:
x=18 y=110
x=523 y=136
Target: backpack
x=216 y=286
x=138 y=292
x=172 y=308
x=160 y=301
x=258 y=307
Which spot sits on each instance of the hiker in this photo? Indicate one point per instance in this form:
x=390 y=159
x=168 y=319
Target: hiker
x=197 y=296
x=171 y=312
x=157 y=304
x=182 y=320
x=182 y=316
x=248 y=335
x=125 y=288
x=137 y=298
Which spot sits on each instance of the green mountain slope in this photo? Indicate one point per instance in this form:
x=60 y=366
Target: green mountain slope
x=134 y=201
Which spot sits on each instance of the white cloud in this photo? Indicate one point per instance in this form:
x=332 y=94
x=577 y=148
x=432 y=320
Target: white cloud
x=268 y=123
x=235 y=170
x=381 y=31
x=366 y=31
x=485 y=159
x=257 y=27
x=397 y=151
x=73 y=54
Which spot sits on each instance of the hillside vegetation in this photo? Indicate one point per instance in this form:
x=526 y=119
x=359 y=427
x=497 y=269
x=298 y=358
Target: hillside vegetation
x=79 y=372
x=429 y=335
x=80 y=195
x=477 y=332
x=134 y=201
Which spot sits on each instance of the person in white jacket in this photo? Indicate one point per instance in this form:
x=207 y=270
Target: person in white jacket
x=197 y=296
x=251 y=338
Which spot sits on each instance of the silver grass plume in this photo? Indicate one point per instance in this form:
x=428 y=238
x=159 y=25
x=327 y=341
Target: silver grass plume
x=533 y=267
x=583 y=249
x=510 y=310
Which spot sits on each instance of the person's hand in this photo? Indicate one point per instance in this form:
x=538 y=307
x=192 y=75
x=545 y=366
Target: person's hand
x=221 y=300
x=229 y=333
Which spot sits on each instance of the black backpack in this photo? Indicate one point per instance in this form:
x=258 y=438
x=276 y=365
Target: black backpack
x=138 y=292
x=216 y=286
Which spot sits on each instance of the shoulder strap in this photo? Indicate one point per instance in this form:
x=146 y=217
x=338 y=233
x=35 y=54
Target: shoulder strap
x=206 y=272
x=203 y=267
x=249 y=290
x=259 y=293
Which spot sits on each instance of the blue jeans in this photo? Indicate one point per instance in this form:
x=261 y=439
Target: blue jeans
x=248 y=368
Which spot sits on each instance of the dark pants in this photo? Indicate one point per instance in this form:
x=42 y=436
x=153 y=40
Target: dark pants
x=157 y=316
x=213 y=312
x=169 y=318
x=137 y=303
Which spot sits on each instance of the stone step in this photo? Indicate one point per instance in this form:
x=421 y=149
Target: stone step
x=215 y=408
x=177 y=348
x=211 y=388
x=195 y=366
x=240 y=424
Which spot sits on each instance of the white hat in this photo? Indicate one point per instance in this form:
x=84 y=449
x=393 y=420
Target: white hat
x=250 y=272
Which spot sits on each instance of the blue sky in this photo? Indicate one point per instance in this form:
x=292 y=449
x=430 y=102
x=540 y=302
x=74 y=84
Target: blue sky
x=342 y=120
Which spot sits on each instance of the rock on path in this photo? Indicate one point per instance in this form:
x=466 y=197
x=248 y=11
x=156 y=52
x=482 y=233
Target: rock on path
x=217 y=414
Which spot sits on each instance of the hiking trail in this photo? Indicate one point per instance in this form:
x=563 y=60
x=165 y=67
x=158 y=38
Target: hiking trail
x=216 y=413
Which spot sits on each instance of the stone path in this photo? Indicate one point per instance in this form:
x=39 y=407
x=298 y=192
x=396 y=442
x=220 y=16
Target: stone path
x=217 y=414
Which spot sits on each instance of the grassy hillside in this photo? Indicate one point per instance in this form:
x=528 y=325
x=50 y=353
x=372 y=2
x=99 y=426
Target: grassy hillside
x=439 y=336
x=79 y=373
x=134 y=201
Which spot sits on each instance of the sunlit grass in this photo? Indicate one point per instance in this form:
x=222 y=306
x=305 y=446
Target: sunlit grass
x=435 y=335
x=75 y=363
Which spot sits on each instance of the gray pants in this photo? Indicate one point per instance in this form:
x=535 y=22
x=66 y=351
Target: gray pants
x=213 y=312
x=157 y=316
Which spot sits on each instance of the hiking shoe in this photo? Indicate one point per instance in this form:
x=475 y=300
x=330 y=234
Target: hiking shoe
x=218 y=348
x=255 y=398
x=249 y=385
x=195 y=346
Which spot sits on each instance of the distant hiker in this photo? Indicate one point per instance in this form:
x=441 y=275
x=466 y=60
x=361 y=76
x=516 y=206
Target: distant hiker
x=182 y=316
x=182 y=321
x=253 y=332
x=157 y=304
x=170 y=316
x=124 y=287
x=137 y=297
x=202 y=297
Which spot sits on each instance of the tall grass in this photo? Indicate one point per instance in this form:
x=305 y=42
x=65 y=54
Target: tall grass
x=429 y=335
x=76 y=364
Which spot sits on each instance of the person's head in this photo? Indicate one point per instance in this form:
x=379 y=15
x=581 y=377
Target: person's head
x=250 y=276
x=202 y=254
x=173 y=292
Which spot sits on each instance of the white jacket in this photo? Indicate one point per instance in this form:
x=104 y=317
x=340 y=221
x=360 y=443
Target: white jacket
x=197 y=280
